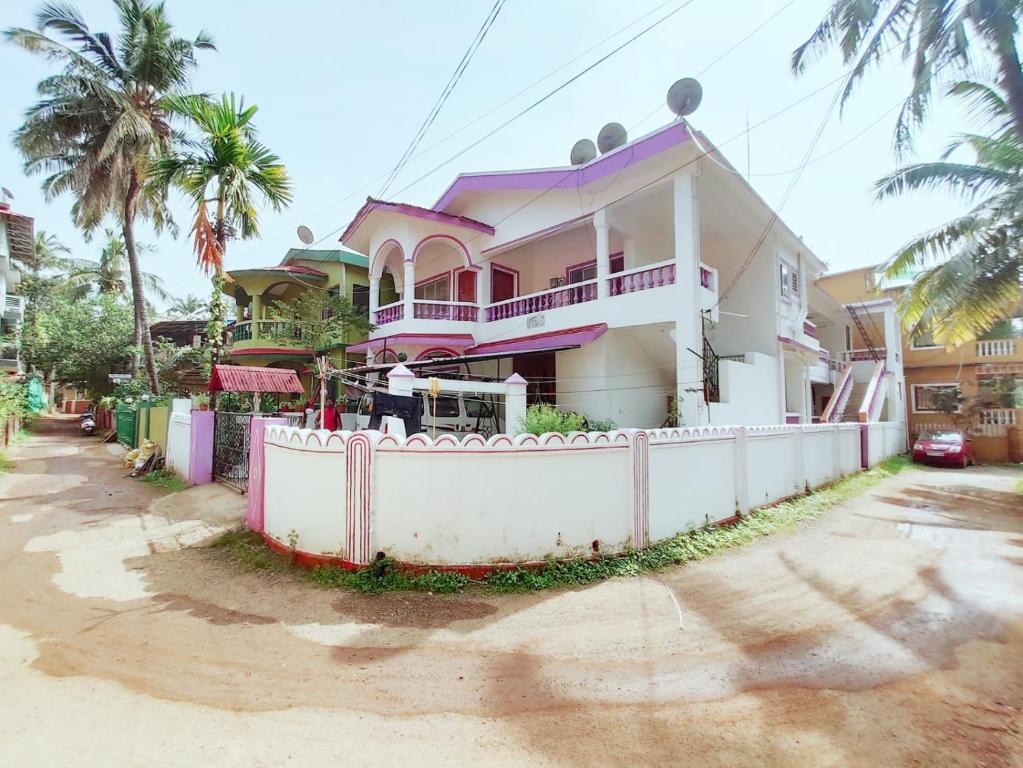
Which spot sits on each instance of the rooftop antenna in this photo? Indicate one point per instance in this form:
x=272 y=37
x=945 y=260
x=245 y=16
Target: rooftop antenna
x=583 y=151
x=305 y=234
x=611 y=136
x=685 y=96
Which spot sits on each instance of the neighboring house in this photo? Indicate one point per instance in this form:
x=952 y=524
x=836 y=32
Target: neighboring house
x=980 y=371
x=648 y=276
x=16 y=241
x=341 y=271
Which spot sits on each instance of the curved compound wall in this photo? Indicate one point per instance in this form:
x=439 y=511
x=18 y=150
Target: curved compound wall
x=344 y=496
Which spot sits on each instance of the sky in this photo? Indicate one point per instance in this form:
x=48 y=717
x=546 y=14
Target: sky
x=343 y=86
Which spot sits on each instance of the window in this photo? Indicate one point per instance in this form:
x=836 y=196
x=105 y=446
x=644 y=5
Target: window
x=788 y=281
x=444 y=406
x=580 y=273
x=360 y=299
x=473 y=404
x=936 y=398
x=922 y=340
x=434 y=289
x=332 y=293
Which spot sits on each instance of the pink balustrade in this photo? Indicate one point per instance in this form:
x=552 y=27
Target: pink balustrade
x=441 y=310
x=540 y=302
x=389 y=314
x=810 y=329
x=644 y=279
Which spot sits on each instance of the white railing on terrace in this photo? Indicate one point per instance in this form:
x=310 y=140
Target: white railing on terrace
x=445 y=310
x=996 y=348
x=994 y=422
x=645 y=277
x=577 y=293
x=389 y=313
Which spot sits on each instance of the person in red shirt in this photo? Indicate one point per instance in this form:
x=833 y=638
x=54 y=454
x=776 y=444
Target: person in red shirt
x=330 y=417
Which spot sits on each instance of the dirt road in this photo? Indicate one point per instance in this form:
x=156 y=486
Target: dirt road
x=887 y=633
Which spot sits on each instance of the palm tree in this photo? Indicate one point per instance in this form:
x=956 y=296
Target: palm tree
x=226 y=166
x=968 y=272
x=941 y=39
x=189 y=305
x=101 y=119
x=48 y=253
x=108 y=274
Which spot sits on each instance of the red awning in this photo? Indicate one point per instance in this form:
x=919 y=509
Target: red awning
x=570 y=337
x=242 y=378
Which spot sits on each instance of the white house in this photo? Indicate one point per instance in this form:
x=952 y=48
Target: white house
x=650 y=275
x=16 y=240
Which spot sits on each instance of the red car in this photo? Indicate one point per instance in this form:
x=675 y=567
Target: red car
x=947 y=447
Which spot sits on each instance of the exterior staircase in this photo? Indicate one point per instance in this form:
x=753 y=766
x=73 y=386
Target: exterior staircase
x=854 y=404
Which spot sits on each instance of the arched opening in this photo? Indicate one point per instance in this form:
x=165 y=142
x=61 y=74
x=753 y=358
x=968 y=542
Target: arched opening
x=443 y=271
x=389 y=265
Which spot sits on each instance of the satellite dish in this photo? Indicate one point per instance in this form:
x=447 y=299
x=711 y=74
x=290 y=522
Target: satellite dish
x=583 y=151
x=611 y=136
x=305 y=234
x=685 y=96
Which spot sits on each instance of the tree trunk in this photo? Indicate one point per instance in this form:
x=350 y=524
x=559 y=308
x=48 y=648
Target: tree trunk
x=142 y=337
x=1012 y=79
x=216 y=325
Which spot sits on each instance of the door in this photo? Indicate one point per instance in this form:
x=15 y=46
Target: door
x=502 y=284
x=540 y=373
x=467 y=287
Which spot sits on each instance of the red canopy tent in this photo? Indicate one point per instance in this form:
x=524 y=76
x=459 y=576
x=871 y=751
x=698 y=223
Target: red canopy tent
x=243 y=378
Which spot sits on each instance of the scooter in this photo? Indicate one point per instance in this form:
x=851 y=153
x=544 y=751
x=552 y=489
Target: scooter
x=88 y=423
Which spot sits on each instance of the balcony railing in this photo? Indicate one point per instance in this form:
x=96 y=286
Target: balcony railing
x=280 y=329
x=810 y=329
x=243 y=331
x=577 y=293
x=861 y=355
x=389 y=313
x=644 y=278
x=995 y=422
x=444 y=310
x=996 y=348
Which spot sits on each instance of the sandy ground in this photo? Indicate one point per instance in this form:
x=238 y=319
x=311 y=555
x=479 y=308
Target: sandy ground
x=887 y=633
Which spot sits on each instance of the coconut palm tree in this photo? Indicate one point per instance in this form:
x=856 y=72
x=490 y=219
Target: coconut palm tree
x=108 y=275
x=183 y=307
x=940 y=38
x=48 y=253
x=968 y=272
x=100 y=120
x=226 y=166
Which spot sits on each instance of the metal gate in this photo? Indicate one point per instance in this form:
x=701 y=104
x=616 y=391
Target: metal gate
x=125 y=424
x=231 y=448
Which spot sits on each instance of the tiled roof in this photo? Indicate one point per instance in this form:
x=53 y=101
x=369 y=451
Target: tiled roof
x=241 y=378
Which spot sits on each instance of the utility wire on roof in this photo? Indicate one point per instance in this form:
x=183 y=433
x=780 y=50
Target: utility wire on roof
x=488 y=22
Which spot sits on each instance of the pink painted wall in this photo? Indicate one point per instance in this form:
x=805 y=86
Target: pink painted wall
x=200 y=452
x=257 y=469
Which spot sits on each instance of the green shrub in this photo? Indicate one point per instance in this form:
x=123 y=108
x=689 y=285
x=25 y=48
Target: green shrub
x=542 y=418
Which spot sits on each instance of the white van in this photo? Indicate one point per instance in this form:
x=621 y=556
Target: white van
x=452 y=414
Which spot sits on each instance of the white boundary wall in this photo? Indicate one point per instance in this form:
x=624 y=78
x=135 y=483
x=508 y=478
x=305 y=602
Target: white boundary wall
x=449 y=503
x=179 y=442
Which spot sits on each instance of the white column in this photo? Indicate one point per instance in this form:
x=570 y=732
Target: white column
x=483 y=286
x=409 y=290
x=514 y=404
x=603 y=251
x=807 y=397
x=399 y=381
x=688 y=325
x=374 y=298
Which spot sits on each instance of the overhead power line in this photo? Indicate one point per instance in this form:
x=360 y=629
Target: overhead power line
x=428 y=121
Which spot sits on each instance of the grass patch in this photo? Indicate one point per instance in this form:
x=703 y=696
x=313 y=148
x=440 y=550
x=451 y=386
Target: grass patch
x=165 y=480
x=248 y=549
x=383 y=575
x=5 y=463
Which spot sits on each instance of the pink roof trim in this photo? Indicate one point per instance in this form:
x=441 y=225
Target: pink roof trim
x=405 y=209
x=570 y=337
x=447 y=339
x=568 y=177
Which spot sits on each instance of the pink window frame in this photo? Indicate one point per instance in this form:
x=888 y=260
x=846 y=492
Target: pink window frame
x=501 y=268
x=619 y=257
x=453 y=292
